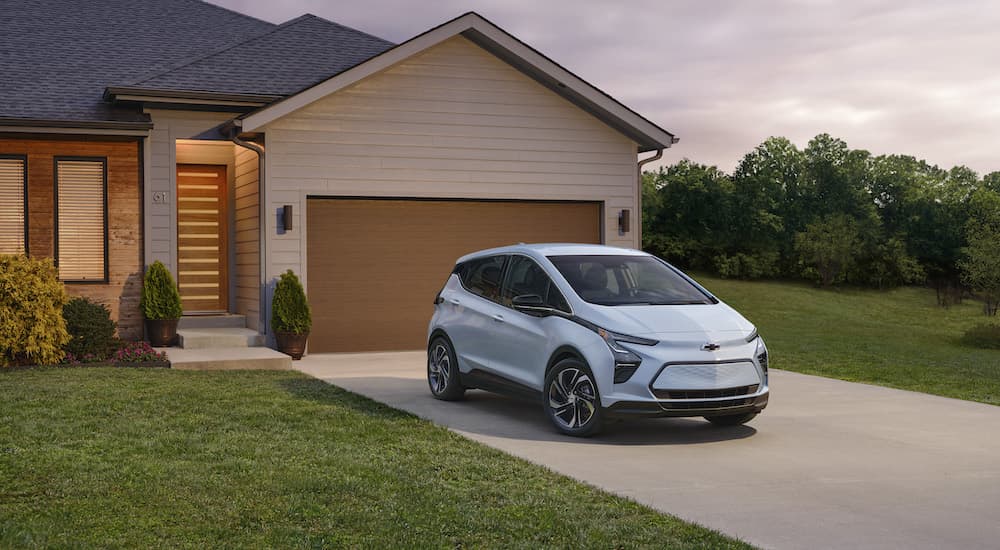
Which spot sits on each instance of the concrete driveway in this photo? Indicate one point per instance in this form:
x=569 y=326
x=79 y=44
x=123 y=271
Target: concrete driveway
x=829 y=464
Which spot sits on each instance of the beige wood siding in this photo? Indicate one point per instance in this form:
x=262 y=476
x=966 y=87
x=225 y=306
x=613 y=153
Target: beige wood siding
x=246 y=239
x=455 y=122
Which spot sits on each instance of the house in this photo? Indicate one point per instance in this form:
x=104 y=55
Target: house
x=232 y=149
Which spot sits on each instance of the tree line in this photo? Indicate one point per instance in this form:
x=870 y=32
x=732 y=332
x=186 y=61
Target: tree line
x=830 y=214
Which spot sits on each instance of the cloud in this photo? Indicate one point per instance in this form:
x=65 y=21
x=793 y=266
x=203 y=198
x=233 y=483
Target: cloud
x=897 y=76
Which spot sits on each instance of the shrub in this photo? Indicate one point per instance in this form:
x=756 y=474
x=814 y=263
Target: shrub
x=746 y=266
x=289 y=309
x=138 y=352
x=985 y=335
x=32 y=329
x=91 y=330
x=160 y=299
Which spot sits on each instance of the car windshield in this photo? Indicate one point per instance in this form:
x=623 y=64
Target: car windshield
x=627 y=281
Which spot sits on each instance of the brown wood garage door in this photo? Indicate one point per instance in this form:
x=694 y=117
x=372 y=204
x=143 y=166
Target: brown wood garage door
x=374 y=266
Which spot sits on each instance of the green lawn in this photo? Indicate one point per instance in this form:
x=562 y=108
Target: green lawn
x=898 y=338
x=157 y=458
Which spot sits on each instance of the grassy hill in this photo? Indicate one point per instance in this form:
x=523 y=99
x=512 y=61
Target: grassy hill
x=898 y=338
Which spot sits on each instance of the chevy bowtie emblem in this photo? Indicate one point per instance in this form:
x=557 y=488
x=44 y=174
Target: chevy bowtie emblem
x=710 y=346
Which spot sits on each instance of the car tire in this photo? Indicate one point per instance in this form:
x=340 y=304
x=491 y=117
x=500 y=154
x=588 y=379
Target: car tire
x=443 y=376
x=731 y=419
x=571 y=399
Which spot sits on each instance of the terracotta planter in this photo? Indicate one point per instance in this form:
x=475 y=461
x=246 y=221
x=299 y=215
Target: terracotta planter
x=161 y=332
x=291 y=344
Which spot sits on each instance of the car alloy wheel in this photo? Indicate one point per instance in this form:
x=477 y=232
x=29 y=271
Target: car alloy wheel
x=572 y=400
x=442 y=371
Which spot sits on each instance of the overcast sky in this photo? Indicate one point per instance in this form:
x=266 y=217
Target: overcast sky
x=918 y=78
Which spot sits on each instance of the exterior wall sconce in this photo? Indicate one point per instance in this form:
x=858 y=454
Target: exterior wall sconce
x=286 y=217
x=624 y=221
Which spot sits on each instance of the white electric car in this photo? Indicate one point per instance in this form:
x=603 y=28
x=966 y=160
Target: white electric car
x=593 y=331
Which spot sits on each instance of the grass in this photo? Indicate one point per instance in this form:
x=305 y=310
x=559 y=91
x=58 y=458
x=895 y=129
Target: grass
x=899 y=338
x=157 y=458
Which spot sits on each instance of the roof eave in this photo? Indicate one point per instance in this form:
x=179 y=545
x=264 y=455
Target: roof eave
x=186 y=97
x=6 y=122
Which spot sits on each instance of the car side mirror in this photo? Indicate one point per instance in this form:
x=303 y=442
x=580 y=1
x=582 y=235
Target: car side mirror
x=531 y=304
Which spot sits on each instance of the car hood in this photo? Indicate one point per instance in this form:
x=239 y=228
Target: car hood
x=666 y=321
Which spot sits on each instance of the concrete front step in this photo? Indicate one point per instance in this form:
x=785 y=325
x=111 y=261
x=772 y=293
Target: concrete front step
x=225 y=320
x=205 y=338
x=241 y=358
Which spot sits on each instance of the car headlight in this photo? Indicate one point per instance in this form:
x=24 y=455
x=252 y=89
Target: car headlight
x=761 y=354
x=626 y=362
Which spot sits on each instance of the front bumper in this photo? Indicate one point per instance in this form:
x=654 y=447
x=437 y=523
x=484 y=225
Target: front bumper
x=721 y=407
x=673 y=381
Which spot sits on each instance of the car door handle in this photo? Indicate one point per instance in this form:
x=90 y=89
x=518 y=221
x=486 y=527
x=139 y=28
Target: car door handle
x=498 y=318
x=454 y=301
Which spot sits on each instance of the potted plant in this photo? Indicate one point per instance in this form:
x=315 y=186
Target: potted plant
x=291 y=319
x=161 y=305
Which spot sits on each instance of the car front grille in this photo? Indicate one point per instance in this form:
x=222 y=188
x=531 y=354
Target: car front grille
x=706 y=394
x=724 y=404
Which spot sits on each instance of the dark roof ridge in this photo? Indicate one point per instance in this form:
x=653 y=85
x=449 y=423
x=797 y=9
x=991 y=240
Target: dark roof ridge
x=223 y=8
x=343 y=26
x=226 y=47
x=221 y=49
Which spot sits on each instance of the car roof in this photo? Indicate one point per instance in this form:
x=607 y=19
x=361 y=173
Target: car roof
x=555 y=249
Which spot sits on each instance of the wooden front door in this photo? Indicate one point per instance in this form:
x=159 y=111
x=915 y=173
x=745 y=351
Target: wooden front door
x=201 y=237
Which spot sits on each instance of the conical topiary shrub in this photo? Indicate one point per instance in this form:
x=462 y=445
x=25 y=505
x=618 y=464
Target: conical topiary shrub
x=161 y=305
x=291 y=319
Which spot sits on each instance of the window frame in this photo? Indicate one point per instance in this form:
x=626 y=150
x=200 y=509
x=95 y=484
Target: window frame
x=552 y=284
x=55 y=214
x=24 y=178
x=503 y=275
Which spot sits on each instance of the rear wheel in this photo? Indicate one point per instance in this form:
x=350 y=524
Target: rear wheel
x=442 y=371
x=571 y=399
x=731 y=419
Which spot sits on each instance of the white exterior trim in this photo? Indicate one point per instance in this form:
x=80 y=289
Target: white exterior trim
x=463 y=24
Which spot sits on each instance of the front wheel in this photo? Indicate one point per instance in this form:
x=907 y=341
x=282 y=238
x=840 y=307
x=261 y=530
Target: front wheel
x=442 y=371
x=571 y=399
x=731 y=419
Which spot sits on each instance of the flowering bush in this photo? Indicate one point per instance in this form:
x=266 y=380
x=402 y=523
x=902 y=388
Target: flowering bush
x=138 y=352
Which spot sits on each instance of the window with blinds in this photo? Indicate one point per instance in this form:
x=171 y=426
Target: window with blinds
x=81 y=228
x=12 y=205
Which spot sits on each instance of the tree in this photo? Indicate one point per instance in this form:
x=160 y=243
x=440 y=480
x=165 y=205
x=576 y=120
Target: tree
x=765 y=185
x=827 y=248
x=981 y=262
x=693 y=224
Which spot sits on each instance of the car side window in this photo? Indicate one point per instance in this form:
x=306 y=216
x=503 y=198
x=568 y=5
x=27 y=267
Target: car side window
x=482 y=276
x=524 y=276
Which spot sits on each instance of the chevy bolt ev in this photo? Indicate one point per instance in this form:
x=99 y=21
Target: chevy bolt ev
x=593 y=332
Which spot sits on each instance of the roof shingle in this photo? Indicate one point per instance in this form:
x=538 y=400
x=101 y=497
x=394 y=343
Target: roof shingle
x=58 y=56
x=293 y=56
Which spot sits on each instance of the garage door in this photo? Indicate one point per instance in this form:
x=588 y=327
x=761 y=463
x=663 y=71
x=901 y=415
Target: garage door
x=374 y=266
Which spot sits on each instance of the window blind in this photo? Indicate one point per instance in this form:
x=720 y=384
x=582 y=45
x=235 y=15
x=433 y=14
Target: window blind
x=12 y=206
x=80 y=224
